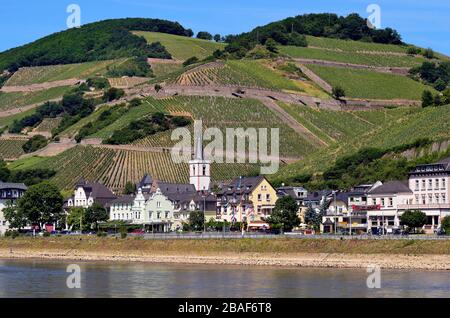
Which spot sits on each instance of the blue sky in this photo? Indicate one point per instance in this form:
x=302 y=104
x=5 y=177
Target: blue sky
x=425 y=23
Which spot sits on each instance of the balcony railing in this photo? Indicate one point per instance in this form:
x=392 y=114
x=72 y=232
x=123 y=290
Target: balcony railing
x=424 y=206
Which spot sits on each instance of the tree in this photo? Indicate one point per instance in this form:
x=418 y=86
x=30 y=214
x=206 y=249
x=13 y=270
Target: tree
x=338 y=92
x=42 y=203
x=428 y=53
x=16 y=218
x=217 y=37
x=95 y=214
x=130 y=188
x=204 y=35
x=4 y=171
x=427 y=98
x=285 y=214
x=196 y=221
x=413 y=219
x=77 y=218
x=271 y=45
x=445 y=224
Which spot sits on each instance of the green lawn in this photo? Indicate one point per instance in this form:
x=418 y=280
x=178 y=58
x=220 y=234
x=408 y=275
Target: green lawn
x=182 y=47
x=352 y=57
x=368 y=84
x=42 y=74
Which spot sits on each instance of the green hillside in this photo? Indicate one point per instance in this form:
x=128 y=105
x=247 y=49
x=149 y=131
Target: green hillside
x=181 y=47
x=370 y=84
x=14 y=100
x=42 y=74
x=104 y=40
x=391 y=127
x=380 y=59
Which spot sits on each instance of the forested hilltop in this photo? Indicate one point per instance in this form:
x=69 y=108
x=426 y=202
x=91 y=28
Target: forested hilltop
x=290 y=30
x=102 y=40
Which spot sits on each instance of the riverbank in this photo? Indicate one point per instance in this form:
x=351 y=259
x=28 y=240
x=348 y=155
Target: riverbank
x=408 y=254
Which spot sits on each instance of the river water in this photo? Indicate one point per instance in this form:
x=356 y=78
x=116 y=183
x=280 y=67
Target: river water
x=37 y=278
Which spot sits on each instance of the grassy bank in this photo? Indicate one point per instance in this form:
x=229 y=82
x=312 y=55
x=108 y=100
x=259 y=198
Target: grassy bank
x=218 y=246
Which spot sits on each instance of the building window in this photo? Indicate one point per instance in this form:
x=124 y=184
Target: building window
x=258 y=209
x=417 y=199
x=382 y=201
x=423 y=184
x=391 y=202
x=436 y=198
x=267 y=197
x=204 y=170
x=430 y=184
x=259 y=196
x=430 y=198
x=443 y=184
x=443 y=198
x=158 y=215
x=423 y=199
x=417 y=185
x=158 y=204
x=436 y=185
x=167 y=215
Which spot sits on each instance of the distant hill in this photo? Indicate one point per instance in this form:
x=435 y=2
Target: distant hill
x=108 y=39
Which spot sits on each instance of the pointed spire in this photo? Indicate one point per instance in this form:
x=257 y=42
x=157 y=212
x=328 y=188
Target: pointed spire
x=199 y=148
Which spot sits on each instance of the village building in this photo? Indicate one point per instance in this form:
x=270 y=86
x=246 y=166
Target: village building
x=246 y=199
x=86 y=194
x=9 y=193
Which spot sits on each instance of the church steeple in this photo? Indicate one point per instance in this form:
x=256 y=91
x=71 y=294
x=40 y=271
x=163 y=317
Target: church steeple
x=199 y=168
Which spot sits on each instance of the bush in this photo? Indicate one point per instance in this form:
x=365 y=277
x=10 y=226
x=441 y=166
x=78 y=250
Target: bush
x=338 y=92
x=101 y=234
x=189 y=61
x=123 y=233
x=12 y=234
x=113 y=94
x=46 y=234
x=428 y=53
x=135 y=102
x=427 y=98
x=35 y=143
x=98 y=82
x=445 y=225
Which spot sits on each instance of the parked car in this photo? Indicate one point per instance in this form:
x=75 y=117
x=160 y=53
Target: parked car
x=138 y=232
x=441 y=232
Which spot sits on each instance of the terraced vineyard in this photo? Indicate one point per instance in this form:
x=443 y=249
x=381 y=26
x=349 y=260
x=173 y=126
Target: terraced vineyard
x=114 y=168
x=368 y=84
x=48 y=124
x=382 y=60
x=233 y=113
x=11 y=148
x=161 y=69
x=245 y=73
x=182 y=47
x=353 y=46
x=42 y=74
x=125 y=82
x=336 y=126
x=394 y=127
x=14 y=100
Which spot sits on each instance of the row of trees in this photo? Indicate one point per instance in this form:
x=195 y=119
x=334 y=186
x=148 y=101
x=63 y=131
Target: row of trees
x=28 y=176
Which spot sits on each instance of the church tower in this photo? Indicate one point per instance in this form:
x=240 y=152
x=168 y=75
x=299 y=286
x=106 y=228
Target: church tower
x=199 y=168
